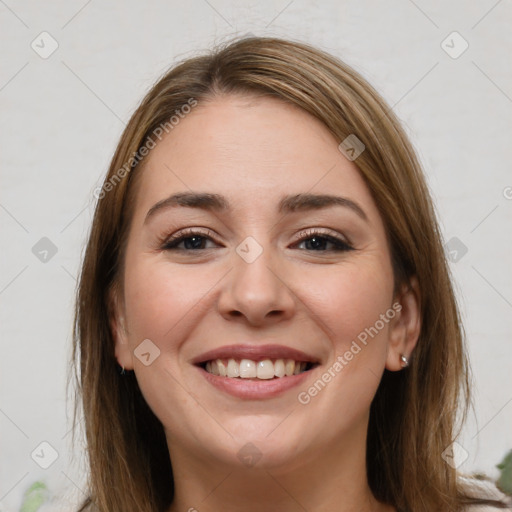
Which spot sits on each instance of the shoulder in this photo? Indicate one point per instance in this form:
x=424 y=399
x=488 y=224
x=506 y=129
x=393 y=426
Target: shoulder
x=485 y=489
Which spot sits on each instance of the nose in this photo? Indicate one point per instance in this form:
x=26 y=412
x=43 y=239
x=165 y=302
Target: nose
x=257 y=292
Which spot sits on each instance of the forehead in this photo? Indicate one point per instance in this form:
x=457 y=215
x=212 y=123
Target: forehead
x=252 y=150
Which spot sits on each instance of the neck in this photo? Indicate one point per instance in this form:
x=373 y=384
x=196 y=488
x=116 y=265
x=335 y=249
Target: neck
x=329 y=479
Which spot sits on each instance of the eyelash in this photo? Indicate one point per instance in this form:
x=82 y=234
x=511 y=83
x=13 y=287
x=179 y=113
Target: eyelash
x=170 y=244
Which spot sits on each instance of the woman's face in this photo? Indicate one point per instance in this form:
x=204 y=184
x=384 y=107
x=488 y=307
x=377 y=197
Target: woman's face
x=284 y=261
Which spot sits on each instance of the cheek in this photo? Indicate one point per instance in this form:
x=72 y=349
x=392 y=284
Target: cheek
x=160 y=298
x=350 y=300
x=162 y=305
x=350 y=308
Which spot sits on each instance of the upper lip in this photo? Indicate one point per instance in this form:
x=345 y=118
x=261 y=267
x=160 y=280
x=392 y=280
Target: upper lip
x=255 y=353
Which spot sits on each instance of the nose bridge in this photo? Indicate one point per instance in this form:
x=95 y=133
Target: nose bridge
x=256 y=289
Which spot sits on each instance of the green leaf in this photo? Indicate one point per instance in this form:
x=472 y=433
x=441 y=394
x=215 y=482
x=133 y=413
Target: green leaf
x=34 y=497
x=505 y=480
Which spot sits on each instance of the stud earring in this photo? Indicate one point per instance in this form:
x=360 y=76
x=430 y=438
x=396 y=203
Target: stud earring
x=405 y=361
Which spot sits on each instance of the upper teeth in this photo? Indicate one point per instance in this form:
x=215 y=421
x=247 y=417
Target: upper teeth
x=248 y=369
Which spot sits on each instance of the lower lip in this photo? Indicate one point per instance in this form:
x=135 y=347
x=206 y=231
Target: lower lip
x=255 y=389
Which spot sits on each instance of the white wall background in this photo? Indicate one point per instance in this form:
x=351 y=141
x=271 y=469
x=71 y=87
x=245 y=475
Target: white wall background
x=62 y=116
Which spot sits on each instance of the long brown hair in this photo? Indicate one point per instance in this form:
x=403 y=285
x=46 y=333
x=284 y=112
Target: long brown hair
x=415 y=414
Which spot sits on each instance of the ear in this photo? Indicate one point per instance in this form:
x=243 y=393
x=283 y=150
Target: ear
x=404 y=328
x=118 y=329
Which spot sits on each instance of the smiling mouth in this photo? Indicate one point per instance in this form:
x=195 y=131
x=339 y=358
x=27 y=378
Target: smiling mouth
x=264 y=369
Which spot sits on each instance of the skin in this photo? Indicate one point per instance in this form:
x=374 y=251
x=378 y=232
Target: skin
x=298 y=294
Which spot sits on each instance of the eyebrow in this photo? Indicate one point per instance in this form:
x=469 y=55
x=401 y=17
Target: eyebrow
x=288 y=204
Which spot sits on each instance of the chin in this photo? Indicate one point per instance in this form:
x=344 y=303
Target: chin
x=263 y=442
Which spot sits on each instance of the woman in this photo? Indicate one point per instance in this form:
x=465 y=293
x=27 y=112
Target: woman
x=265 y=319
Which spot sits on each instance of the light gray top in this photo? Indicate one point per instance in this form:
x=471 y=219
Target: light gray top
x=484 y=489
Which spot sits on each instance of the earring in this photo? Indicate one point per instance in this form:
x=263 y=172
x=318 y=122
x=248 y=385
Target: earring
x=122 y=371
x=405 y=361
